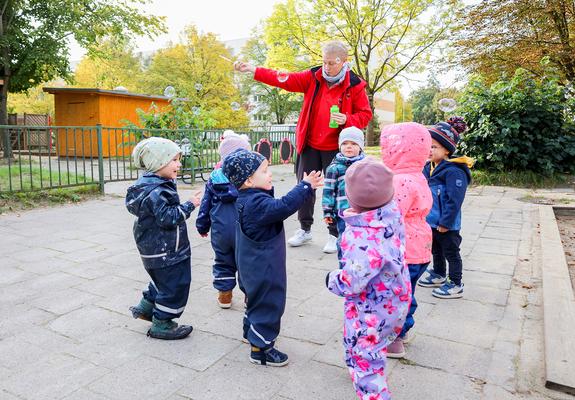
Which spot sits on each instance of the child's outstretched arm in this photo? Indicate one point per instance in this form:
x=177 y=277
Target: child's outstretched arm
x=329 y=198
x=276 y=210
x=359 y=267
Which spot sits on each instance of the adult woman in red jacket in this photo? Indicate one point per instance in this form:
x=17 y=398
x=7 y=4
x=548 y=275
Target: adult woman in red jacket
x=324 y=86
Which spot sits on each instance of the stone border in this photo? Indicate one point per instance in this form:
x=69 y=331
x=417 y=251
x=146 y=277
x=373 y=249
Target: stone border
x=558 y=307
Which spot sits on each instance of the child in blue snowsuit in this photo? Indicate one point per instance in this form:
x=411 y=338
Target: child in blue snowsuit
x=260 y=248
x=334 y=201
x=218 y=212
x=161 y=237
x=448 y=178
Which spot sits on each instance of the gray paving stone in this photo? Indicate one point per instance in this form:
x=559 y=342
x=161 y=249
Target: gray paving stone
x=144 y=377
x=414 y=382
x=52 y=377
x=11 y=275
x=310 y=328
x=199 y=351
x=490 y=263
x=250 y=382
x=86 y=321
x=485 y=279
x=64 y=301
x=435 y=353
x=319 y=381
x=15 y=352
x=485 y=295
x=83 y=394
x=108 y=285
x=496 y=246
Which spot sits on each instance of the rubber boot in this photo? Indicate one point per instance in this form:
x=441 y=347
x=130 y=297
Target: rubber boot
x=167 y=329
x=143 y=310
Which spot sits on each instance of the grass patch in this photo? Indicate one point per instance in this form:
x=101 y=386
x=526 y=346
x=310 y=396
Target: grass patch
x=17 y=201
x=19 y=187
x=522 y=179
x=28 y=177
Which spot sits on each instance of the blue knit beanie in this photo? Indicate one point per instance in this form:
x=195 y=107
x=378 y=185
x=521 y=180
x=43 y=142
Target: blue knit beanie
x=448 y=133
x=240 y=165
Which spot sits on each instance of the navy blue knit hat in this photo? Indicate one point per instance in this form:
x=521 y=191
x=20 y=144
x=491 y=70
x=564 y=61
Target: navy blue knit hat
x=447 y=133
x=240 y=165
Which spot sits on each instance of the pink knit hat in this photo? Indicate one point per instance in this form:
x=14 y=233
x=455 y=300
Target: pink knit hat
x=368 y=185
x=231 y=142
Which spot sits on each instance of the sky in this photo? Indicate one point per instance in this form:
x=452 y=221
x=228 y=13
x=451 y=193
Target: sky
x=230 y=20
x=227 y=18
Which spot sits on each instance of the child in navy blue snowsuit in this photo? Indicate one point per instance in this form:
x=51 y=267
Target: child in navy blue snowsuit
x=218 y=213
x=260 y=248
x=161 y=237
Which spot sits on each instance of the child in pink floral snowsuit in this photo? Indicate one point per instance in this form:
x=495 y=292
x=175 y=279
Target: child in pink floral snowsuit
x=374 y=279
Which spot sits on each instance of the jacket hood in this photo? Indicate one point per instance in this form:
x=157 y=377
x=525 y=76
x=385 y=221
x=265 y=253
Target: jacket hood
x=351 y=78
x=141 y=189
x=222 y=187
x=377 y=218
x=462 y=163
x=405 y=147
x=347 y=161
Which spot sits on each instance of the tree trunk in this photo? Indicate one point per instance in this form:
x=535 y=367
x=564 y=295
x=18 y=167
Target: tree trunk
x=371 y=137
x=5 y=133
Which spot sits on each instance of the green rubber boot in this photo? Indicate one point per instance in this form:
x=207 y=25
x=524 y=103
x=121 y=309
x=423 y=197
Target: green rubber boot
x=167 y=329
x=143 y=310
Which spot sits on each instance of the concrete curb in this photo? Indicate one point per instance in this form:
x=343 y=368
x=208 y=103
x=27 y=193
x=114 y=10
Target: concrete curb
x=558 y=307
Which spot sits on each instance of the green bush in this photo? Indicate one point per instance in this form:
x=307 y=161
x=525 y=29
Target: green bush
x=525 y=123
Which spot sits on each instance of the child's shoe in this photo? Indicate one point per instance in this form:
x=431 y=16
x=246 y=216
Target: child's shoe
x=271 y=357
x=448 y=290
x=331 y=245
x=407 y=338
x=143 y=310
x=396 y=349
x=167 y=329
x=225 y=299
x=431 y=279
x=299 y=238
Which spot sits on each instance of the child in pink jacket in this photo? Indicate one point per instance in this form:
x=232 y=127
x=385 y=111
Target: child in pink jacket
x=405 y=149
x=374 y=278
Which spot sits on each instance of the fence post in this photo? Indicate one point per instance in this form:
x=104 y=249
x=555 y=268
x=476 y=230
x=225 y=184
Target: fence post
x=100 y=158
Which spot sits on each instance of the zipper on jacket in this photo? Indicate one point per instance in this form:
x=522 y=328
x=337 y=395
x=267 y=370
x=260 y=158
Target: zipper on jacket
x=177 y=237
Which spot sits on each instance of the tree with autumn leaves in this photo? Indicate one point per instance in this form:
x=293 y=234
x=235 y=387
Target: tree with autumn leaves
x=496 y=37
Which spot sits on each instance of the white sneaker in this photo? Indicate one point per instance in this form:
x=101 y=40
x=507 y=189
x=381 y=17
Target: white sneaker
x=331 y=245
x=300 y=237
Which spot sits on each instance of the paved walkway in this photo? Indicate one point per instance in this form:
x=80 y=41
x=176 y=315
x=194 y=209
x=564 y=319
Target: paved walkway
x=68 y=275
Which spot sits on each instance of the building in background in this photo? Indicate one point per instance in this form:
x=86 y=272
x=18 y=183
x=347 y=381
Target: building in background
x=384 y=104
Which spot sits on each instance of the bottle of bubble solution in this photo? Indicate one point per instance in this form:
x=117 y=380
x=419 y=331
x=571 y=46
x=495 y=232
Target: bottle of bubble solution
x=332 y=123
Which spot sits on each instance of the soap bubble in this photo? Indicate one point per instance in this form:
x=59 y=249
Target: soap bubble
x=283 y=76
x=170 y=91
x=198 y=86
x=235 y=106
x=447 y=105
x=196 y=110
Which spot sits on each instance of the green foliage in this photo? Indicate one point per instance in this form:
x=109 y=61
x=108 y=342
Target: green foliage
x=112 y=64
x=522 y=179
x=424 y=107
x=403 y=108
x=522 y=123
x=196 y=69
x=33 y=44
x=276 y=104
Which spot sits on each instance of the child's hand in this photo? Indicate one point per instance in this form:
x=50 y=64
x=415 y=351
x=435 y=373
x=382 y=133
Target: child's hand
x=328 y=220
x=315 y=179
x=196 y=198
x=442 y=229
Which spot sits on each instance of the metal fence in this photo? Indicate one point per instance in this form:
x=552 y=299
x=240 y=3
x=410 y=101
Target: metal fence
x=80 y=155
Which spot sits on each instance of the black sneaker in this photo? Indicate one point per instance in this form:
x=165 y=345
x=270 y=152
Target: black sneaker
x=271 y=357
x=168 y=330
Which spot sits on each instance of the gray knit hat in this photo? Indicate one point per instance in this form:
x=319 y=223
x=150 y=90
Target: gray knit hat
x=240 y=165
x=154 y=153
x=353 y=134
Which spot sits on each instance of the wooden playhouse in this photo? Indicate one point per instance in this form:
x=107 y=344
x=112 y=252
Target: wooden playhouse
x=86 y=107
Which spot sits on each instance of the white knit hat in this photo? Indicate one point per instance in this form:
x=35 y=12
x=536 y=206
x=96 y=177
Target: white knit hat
x=154 y=153
x=353 y=134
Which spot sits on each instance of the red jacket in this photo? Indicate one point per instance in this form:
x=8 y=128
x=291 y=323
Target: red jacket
x=350 y=96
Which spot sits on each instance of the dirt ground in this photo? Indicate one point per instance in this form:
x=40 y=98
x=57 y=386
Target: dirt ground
x=567 y=230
